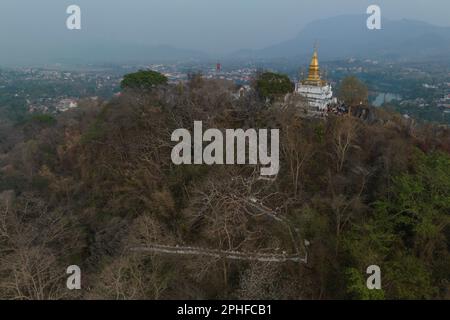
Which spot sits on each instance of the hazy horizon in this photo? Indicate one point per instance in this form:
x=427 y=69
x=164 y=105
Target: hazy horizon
x=35 y=29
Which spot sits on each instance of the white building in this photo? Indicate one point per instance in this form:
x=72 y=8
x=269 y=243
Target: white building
x=317 y=92
x=66 y=104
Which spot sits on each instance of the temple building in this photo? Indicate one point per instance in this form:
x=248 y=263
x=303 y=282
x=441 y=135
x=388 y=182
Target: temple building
x=317 y=92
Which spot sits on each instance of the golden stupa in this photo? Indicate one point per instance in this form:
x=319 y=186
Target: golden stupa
x=317 y=92
x=314 y=72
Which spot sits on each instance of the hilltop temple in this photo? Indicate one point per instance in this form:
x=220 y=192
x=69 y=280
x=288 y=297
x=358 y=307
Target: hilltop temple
x=317 y=92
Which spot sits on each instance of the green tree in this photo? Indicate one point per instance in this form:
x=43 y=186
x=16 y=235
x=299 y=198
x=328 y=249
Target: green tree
x=143 y=80
x=408 y=232
x=353 y=91
x=272 y=85
x=357 y=288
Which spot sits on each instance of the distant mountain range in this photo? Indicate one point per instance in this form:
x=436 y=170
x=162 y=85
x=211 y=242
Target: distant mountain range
x=347 y=36
x=82 y=49
x=338 y=37
x=124 y=53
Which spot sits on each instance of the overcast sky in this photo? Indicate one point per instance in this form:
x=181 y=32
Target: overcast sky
x=214 y=26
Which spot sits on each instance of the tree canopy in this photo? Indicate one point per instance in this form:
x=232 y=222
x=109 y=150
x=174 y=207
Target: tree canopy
x=271 y=85
x=353 y=91
x=143 y=79
x=97 y=188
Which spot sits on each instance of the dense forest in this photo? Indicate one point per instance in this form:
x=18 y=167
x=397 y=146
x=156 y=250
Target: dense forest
x=96 y=187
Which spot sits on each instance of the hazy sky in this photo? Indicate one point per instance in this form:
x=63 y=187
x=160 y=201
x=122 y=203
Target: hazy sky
x=214 y=26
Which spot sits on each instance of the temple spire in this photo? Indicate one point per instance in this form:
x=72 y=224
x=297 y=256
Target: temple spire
x=314 y=70
x=318 y=92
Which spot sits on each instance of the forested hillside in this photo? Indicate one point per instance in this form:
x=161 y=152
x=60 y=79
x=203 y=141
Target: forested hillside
x=96 y=187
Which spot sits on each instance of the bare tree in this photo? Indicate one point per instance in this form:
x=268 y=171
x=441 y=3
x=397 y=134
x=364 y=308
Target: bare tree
x=33 y=244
